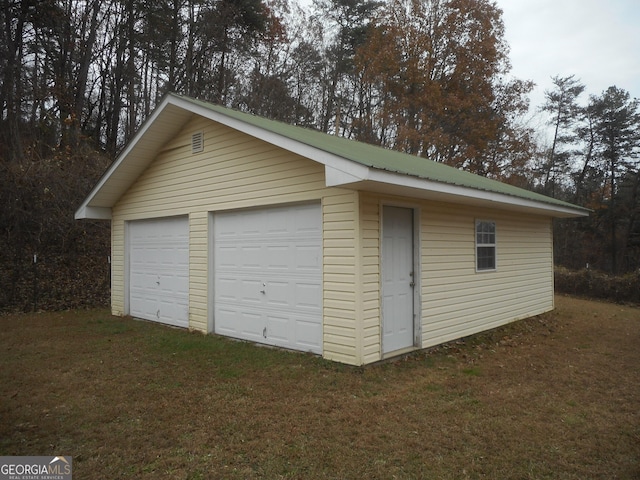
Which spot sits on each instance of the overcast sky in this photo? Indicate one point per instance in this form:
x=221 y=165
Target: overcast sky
x=598 y=41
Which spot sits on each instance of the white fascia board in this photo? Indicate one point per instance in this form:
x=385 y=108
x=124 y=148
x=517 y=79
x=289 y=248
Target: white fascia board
x=336 y=177
x=448 y=192
x=500 y=199
x=94 y=213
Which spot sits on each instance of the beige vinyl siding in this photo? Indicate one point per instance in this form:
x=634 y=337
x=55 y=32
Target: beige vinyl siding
x=455 y=300
x=117 y=268
x=238 y=171
x=458 y=301
x=341 y=274
x=233 y=171
x=370 y=259
x=198 y=271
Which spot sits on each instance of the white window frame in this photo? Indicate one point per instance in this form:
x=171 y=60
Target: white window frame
x=483 y=244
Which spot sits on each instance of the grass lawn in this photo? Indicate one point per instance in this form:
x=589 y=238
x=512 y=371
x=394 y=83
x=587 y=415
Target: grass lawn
x=555 y=396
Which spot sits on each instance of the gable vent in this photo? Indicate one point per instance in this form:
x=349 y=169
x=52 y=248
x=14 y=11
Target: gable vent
x=197 y=142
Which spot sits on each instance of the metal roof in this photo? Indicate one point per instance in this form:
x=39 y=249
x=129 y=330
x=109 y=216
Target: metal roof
x=347 y=163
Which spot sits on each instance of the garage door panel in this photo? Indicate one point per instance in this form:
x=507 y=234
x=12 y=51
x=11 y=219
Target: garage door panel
x=141 y=281
x=309 y=333
x=278 y=257
x=172 y=282
x=251 y=325
x=276 y=251
x=279 y=329
x=159 y=270
x=227 y=322
x=168 y=293
x=226 y=253
x=310 y=221
x=250 y=257
x=309 y=296
x=245 y=324
x=307 y=258
x=250 y=291
x=242 y=324
x=172 y=309
x=227 y=289
x=142 y=307
x=234 y=290
x=287 y=330
x=276 y=224
x=278 y=294
x=173 y=256
x=294 y=295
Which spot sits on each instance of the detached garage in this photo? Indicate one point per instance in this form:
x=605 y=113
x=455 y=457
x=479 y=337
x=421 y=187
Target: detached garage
x=232 y=224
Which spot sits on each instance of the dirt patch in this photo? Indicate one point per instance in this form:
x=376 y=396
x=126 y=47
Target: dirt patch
x=555 y=396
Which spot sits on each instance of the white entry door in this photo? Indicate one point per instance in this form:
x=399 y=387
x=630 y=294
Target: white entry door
x=268 y=276
x=397 y=279
x=159 y=270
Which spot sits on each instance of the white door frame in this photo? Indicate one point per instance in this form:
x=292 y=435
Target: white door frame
x=127 y=268
x=417 y=275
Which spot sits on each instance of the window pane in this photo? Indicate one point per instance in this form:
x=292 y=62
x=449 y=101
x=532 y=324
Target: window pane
x=486 y=233
x=486 y=258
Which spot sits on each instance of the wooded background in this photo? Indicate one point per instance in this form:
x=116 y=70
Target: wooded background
x=430 y=78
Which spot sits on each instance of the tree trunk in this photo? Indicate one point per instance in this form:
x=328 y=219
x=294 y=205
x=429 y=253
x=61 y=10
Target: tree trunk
x=614 y=215
x=131 y=71
x=9 y=96
x=87 y=57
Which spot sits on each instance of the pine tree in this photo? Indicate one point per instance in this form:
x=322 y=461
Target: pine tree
x=617 y=132
x=562 y=106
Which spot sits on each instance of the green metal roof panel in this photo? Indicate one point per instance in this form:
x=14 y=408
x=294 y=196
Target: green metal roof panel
x=384 y=159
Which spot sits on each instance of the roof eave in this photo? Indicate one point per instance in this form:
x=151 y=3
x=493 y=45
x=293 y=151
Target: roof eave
x=403 y=185
x=86 y=212
x=123 y=172
x=174 y=111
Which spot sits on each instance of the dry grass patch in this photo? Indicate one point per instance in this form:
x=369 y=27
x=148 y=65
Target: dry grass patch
x=556 y=396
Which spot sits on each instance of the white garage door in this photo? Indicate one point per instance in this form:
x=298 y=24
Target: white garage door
x=159 y=270
x=268 y=276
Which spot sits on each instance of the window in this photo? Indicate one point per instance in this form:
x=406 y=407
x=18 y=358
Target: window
x=485 y=245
